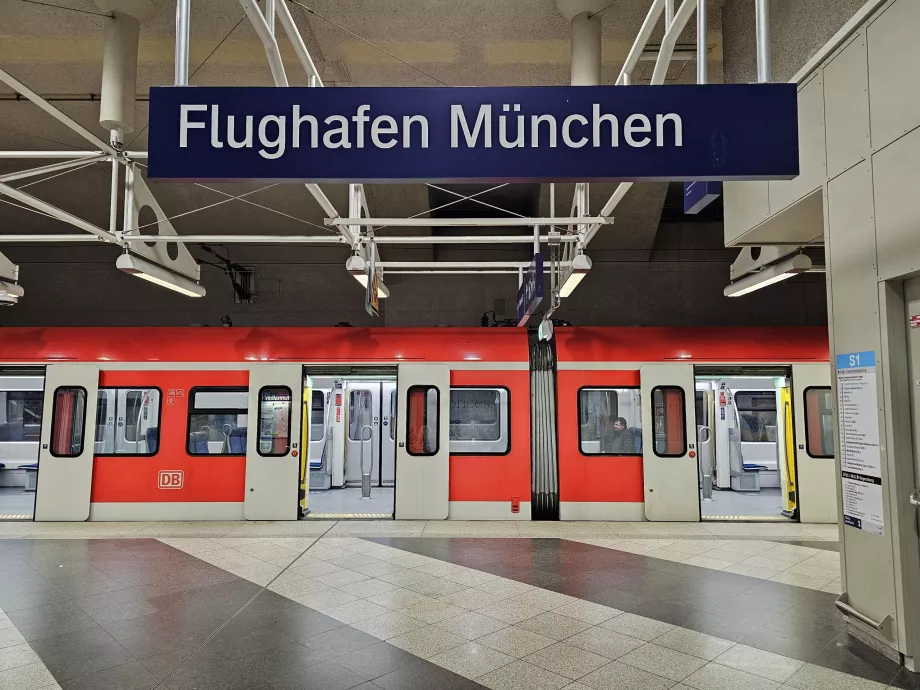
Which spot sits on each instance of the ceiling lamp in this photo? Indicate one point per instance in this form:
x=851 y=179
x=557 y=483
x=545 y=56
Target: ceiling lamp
x=135 y=266
x=357 y=267
x=581 y=264
x=774 y=273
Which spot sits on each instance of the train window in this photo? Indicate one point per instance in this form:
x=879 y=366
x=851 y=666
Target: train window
x=23 y=415
x=756 y=415
x=609 y=421
x=422 y=420
x=670 y=435
x=217 y=421
x=68 y=422
x=274 y=421
x=360 y=413
x=132 y=426
x=317 y=415
x=479 y=421
x=819 y=422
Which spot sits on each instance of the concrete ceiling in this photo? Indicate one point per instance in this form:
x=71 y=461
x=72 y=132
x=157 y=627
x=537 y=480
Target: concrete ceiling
x=58 y=52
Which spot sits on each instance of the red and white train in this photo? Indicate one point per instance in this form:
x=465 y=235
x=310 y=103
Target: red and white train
x=474 y=424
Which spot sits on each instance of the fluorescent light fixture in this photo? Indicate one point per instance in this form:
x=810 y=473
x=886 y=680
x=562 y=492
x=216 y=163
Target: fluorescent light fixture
x=135 y=266
x=769 y=275
x=357 y=267
x=581 y=264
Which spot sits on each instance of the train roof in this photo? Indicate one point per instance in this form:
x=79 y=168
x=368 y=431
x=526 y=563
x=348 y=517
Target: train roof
x=377 y=345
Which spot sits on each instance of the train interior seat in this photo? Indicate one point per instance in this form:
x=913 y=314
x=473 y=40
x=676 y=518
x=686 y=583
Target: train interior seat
x=237 y=440
x=637 y=437
x=744 y=477
x=153 y=437
x=198 y=442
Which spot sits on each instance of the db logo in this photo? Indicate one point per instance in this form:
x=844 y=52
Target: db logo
x=170 y=479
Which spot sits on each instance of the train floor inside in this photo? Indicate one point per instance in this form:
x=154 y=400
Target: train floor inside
x=348 y=503
x=16 y=503
x=766 y=504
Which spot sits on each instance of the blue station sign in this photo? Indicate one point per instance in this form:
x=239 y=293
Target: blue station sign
x=530 y=293
x=508 y=134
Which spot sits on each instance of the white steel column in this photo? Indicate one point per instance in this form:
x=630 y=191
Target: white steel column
x=764 y=56
x=268 y=41
x=702 y=54
x=182 y=40
x=586 y=50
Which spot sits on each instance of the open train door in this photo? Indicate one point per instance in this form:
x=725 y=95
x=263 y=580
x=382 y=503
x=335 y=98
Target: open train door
x=65 y=457
x=422 y=445
x=813 y=409
x=272 y=442
x=669 y=462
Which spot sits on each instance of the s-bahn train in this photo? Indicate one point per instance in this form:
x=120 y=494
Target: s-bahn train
x=672 y=424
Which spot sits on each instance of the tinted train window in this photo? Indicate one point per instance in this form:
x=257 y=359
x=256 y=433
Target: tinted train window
x=669 y=433
x=317 y=415
x=218 y=421
x=479 y=421
x=274 y=421
x=422 y=419
x=819 y=422
x=132 y=425
x=757 y=415
x=610 y=421
x=23 y=410
x=68 y=422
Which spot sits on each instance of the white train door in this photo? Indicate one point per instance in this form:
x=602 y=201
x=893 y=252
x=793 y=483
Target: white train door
x=422 y=444
x=387 y=473
x=65 y=458
x=813 y=409
x=273 y=442
x=669 y=443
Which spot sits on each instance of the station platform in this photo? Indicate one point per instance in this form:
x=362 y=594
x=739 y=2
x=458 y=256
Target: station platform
x=390 y=605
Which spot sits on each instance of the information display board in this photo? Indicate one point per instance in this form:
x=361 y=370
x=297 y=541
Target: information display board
x=860 y=455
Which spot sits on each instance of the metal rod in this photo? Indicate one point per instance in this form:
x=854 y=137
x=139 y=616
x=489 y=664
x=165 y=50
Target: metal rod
x=113 y=198
x=268 y=41
x=270 y=15
x=702 y=53
x=127 y=225
x=670 y=40
x=468 y=265
x=762 y=23
x=668 y=13
x=69 y=237
x=338 y=239
x=458 y=272
x=182 y=33
x=53 y=167
x=552 y=198
x=54 y=211
x=645 y=32
x=58 y=115
x=300 y=48
x=466 y=222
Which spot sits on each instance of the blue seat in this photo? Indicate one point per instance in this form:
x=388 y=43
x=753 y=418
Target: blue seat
x=238 y=441
x=198 y=442
x=637 y=438
x=153 y=439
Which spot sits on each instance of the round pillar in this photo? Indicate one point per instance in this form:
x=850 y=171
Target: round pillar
x=586 y=50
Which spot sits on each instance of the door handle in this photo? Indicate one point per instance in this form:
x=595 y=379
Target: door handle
x=915 y=497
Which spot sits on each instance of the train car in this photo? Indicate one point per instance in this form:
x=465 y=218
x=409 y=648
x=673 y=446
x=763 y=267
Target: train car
x=453 y=423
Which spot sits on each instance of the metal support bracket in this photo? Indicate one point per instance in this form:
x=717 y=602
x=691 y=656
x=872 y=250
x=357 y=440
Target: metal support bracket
x=884 y=626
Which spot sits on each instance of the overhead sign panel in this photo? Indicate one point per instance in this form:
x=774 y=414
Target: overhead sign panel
x=524 y=134
x=530 y=293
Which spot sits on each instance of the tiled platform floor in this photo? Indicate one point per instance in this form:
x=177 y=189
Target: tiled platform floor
x=275 y=605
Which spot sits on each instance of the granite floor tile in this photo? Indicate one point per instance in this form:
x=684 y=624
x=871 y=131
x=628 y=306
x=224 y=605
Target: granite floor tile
x=520 y=675
x=515 y=641
x=587 y=611
x=566 y=660
x=637 y=626
x=27 y=677
x=471 y=625
x=427 y=642
x=693 y=643
x=617 y=676
x=472 y=660
x=812 y=677
x=760 y=663
x=716 y=677
x=389 y=625
x=663 y=661
x=553 y=625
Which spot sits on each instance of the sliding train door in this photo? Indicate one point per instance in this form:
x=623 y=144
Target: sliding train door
x=813 y=408
x=422 y=444
x=272 y=442
x=65 y=457
x=669 y=459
